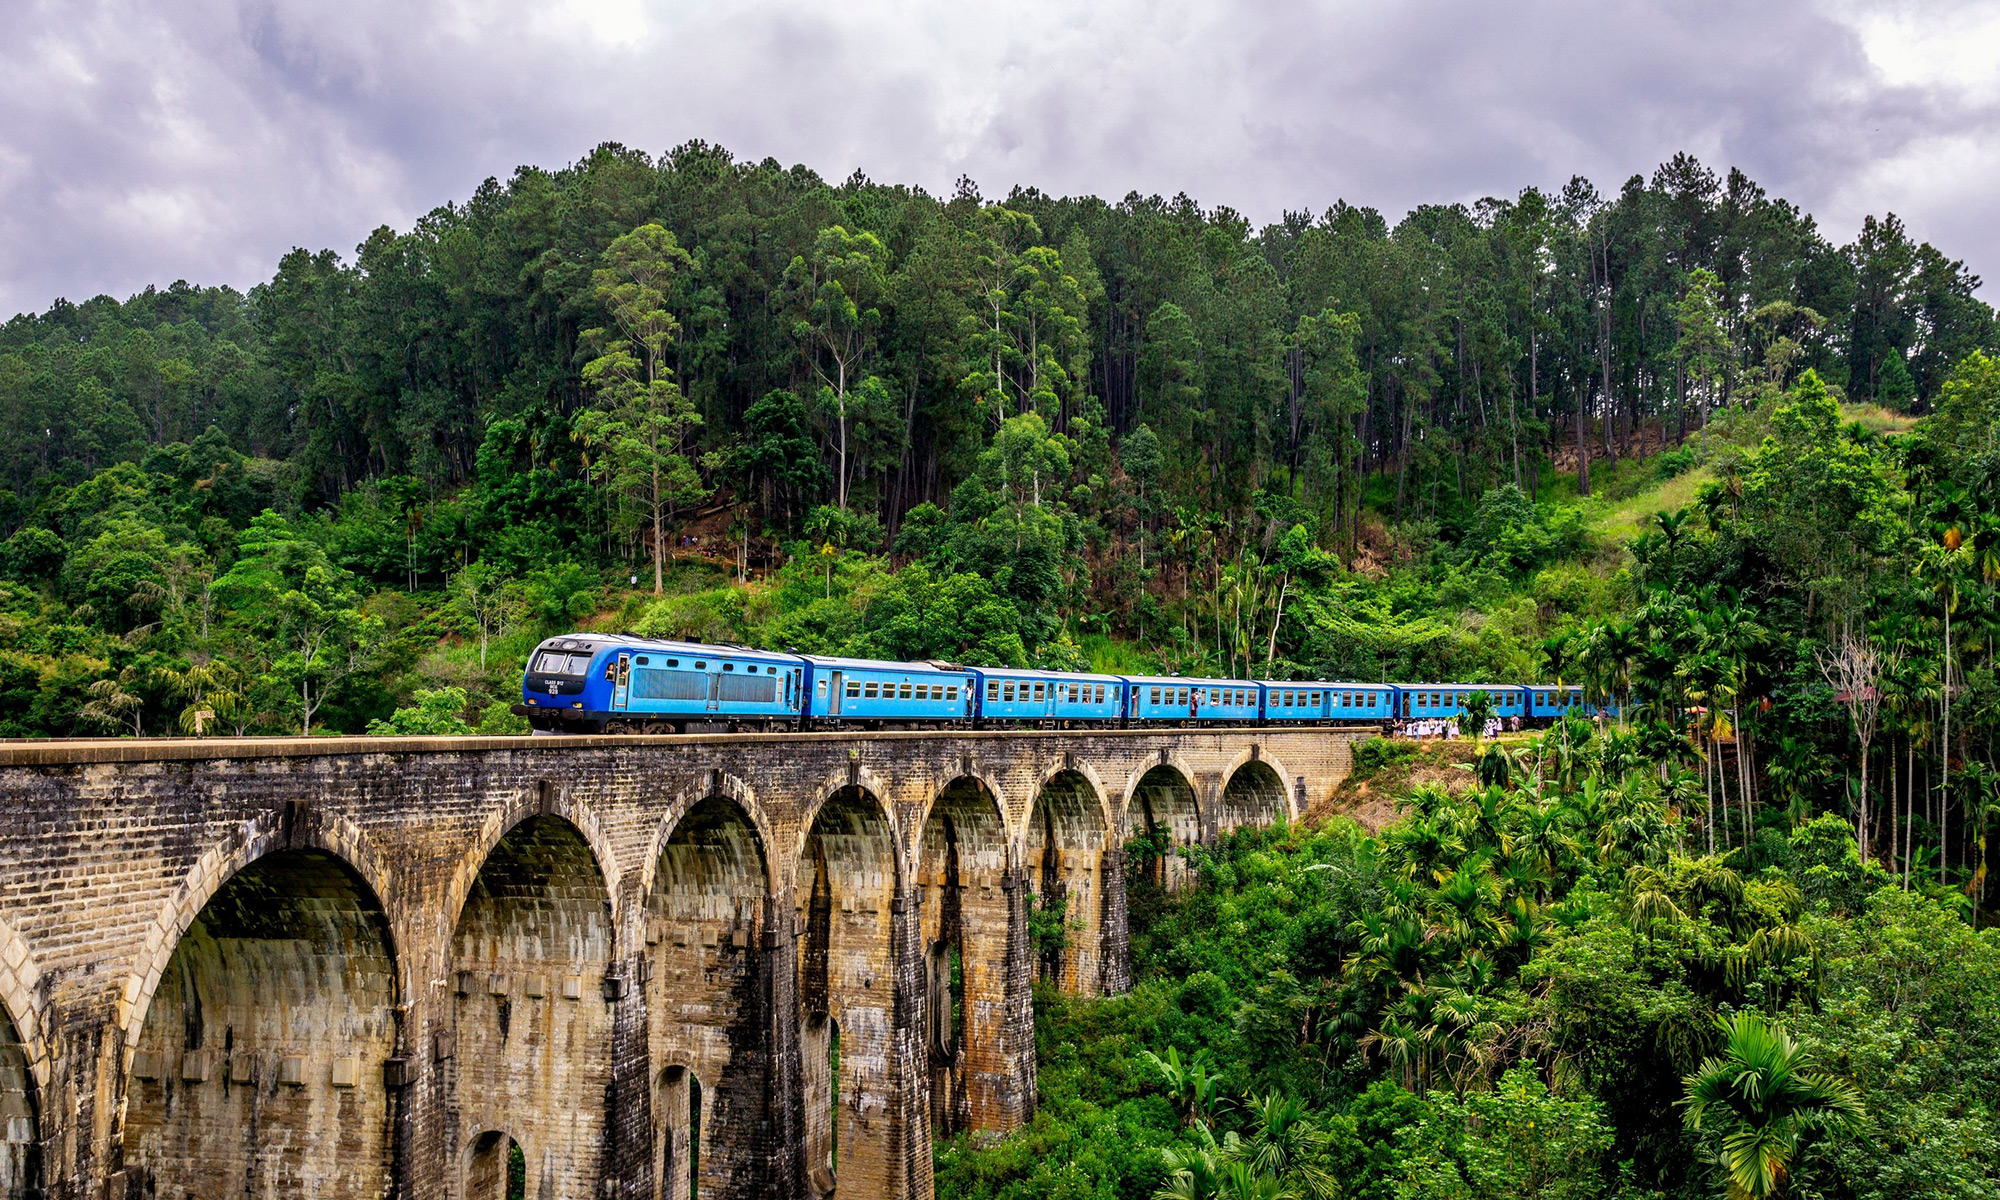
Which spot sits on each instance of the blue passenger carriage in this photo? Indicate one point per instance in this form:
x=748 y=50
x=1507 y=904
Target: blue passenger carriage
x=1359 y=703
x=1156 y=698
x=1006 y=695
x=864 y=692
x=1171 y=698
x=1294 y=702
x=1230 y=701
x=1547 y=701
x=1447 y=700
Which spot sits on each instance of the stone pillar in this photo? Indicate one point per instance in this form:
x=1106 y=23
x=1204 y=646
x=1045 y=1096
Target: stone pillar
x=83 y=1157
x=1017 y=1023
x=628 y=1100
x=778 y=993
x=909 y=1067
x=1115 y=958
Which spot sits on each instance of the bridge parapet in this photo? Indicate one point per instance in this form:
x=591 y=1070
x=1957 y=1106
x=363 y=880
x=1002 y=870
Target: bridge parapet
x=380 y=963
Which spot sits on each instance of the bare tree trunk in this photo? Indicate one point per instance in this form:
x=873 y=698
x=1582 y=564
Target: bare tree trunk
x=1910 y=808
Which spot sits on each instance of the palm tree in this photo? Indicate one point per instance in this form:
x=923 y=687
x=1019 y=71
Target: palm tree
x=113 y=705
x=1760 y=1098
x=1193 y=1085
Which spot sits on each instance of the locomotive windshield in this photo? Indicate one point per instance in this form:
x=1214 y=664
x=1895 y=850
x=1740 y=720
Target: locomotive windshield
x=555 y=663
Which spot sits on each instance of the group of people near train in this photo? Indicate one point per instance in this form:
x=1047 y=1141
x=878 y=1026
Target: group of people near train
x=1447 y=727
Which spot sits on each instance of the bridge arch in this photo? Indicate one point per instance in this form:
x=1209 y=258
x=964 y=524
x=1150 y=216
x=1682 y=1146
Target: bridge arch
x=1063 y=861
x=1163 y=804
x=723 y=785
x=488 y=1159
x=849 y=876
x=547 y=801
x=830 y=788
x=532 y=999
x=24 y=1069
x=707 y=913
x=265 y=834
x=256 y=1062
x=680 y=1097
x=1256 y=790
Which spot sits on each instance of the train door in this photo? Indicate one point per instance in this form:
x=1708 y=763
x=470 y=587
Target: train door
x=621 y=683
x=715 y=691
x=834 y=692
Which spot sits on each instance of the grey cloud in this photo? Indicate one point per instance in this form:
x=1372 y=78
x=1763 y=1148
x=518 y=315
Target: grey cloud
x=142 y=143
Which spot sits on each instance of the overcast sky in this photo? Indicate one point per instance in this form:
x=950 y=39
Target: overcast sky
x=201 y=139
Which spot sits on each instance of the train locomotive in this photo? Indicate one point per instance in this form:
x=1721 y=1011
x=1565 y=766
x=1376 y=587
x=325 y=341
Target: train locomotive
x=619 y=683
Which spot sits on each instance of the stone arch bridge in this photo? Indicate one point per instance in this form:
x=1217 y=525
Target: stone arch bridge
x=636 y=967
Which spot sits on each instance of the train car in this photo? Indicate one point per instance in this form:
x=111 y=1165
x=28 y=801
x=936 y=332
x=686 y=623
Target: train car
x=1325 y=700
x=1005 y=695
x=1152 y=698
x=1294 y=702
x=1172 y=698
x=626 y=684
x=1447 y=700
x=1230 y=701
x=870 y=694
x=1360 y=703
x=1546 y=702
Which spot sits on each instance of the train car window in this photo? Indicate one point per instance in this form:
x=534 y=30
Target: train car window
x=869 y=691
x=903 y=693
x=1155 y=696
x=1371 y=698
x=673 y=662
x=951 y=693
x=1100 y=693
x=725 y=666
x=1007 y=691
x=701 y=666
x=1041 y=692
x=822 y=689
x=992 y=689
x=854 y=689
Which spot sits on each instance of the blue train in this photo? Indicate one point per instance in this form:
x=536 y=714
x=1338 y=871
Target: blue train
x=597 y=683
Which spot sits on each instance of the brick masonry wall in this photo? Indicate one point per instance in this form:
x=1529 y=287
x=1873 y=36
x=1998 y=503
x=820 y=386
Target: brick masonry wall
x=553 y=862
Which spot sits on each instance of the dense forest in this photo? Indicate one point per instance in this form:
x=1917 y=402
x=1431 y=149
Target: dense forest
x=1540 y=988
x=1671 y=443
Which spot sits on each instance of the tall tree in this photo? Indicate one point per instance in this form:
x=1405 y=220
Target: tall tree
x=639 y=426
